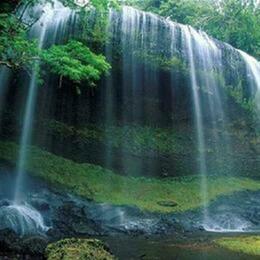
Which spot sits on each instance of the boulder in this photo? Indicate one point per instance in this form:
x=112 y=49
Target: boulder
x=167 y=203
x=74 y=248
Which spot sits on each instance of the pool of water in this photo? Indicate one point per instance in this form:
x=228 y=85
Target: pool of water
x=168 y=248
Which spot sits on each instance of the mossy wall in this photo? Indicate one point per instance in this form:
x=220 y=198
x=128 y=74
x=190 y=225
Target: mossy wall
x=136 y=150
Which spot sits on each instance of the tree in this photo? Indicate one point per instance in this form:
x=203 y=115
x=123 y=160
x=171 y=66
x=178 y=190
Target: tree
x=15 y=50
x=73 y=60
x=234 y=21
x=76 y=62
x=238 y=23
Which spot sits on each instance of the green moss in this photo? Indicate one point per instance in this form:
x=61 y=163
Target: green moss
x=73 y=248
x=132 y=138
x=243 y=244
x=237 y=93
x=157 y=60
x=94 y=182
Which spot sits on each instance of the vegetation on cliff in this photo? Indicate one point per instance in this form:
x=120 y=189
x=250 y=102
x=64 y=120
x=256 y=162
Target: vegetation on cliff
x=76 y=62
x=232 y=21
x=135 y=139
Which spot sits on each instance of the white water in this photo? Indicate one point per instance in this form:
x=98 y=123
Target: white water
x=227 y=225
x=23 y=219
x=253 y=74
x=29 y=109
x=198 y=116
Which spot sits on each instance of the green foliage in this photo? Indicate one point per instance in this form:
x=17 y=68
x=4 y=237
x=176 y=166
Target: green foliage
x=96 y=32
x=235 y=91
x=99 y=5
x=75 y=248
x=160 y=61
x=237 y=94
x=75 y=61
x=15 y=50
x=8 y=5
x=185 y=11
x=102 y=185
x=249 y=245
x=234 y=21
x=104 y=4
x=238 y=23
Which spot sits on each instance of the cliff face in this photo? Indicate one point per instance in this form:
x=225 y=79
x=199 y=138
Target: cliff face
x=174 y=98
x=8 y=5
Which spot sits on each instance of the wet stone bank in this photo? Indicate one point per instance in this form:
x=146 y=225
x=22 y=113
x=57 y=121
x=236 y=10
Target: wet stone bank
x=67 y=216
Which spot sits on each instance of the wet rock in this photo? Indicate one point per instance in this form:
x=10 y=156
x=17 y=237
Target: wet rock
x=226 y=213
x=201 y=228
x=83 y=228
x=11 y=243
x=35 y=245
x=40 y=204
x=167 y=203
x=54 y=234
x=4 y=203
x=71 y=219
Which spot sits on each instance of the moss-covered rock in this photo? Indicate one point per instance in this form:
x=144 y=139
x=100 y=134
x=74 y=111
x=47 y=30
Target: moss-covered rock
x=94 y=182
x=243 y=244
x=88 y=249
x=132 y=138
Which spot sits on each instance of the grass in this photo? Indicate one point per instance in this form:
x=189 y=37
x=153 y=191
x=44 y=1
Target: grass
x=102 y=185
x=74 y=248
x=243 y=244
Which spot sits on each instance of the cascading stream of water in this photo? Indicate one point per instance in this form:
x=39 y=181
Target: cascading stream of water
x=54 y=16
x=202 y=50
x=198 y=116
x=253 y=74
x=143 y=37
x=20 y=216
x=40 y=32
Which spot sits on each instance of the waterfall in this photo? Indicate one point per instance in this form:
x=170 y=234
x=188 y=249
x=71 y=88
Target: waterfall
x=20 y=216
x=201 y=49
x=164 y=72
x=253 y=74
x=212 y=67
x=198 y=113
x=39 y=31
x=53 y=17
